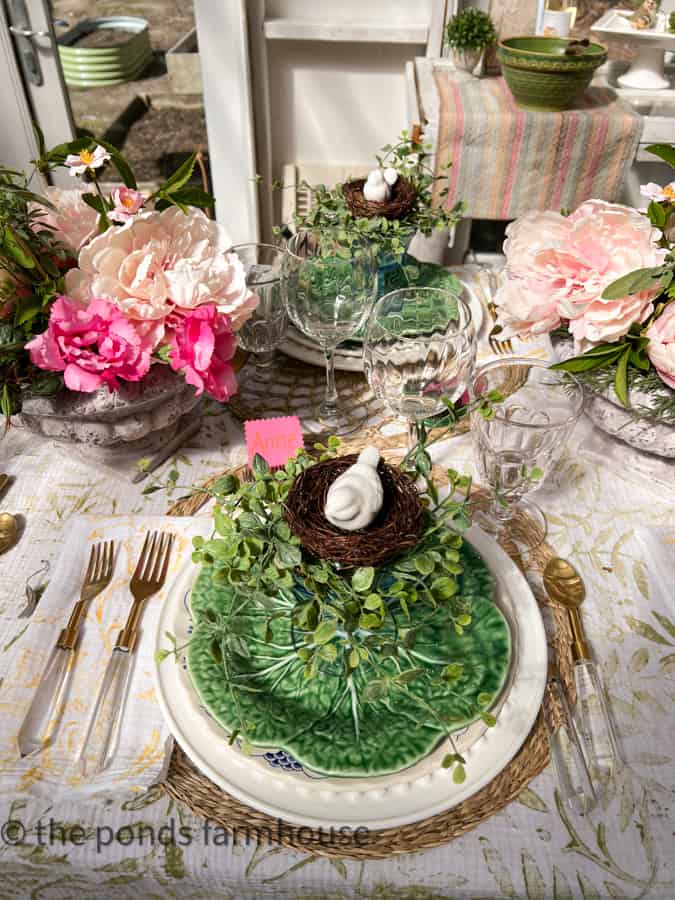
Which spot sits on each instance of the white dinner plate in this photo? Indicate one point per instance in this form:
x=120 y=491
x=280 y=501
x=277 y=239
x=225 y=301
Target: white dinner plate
x=277 y=785
x=350 y=358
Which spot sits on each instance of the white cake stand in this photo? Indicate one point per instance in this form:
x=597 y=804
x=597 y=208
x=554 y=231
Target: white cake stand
x=647 y=69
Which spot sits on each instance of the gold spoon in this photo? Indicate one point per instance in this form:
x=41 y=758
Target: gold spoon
x=565 y=586
x=9 y=531
x=9 y=527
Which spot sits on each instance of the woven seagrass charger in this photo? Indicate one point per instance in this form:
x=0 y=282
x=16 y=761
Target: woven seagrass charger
x=296 y=389
x=190 y=787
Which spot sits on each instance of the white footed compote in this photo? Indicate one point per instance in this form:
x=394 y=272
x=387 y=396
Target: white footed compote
x=355 y=498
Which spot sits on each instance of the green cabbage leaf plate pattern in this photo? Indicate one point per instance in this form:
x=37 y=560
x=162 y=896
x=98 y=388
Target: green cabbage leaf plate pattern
x=312 y=718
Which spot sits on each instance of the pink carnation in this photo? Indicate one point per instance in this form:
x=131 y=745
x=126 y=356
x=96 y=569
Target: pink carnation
x=558 y=268
x=201 y=348
x=92 y=346
x=127 y=203
x=661 y=347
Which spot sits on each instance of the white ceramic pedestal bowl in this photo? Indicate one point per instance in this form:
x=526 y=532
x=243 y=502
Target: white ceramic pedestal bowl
x=646 y=72
x=137 y=416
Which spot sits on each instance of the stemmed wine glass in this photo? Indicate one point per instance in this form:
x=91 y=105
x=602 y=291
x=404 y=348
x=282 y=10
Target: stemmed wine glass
x=331 y=289
x=522 y=438
x=420 y=347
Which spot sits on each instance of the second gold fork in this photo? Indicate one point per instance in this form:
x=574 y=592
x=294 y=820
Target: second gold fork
x=106 y=716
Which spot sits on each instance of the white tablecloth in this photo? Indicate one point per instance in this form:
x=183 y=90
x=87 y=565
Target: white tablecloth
x=596 y=512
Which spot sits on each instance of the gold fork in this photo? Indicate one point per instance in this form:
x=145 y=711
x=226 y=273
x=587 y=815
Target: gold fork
x=35 y=731
x=501 y=348
x=147 y=580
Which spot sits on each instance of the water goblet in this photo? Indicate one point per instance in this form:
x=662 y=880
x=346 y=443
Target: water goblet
x=519 y=439
x=330 y=292
x=419 y=348
x=264 y=331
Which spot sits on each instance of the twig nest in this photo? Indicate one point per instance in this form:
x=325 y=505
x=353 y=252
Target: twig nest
x=401 y=200
x=355 y=498
x=396 y=527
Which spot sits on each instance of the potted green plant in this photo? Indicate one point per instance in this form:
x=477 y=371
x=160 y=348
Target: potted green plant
x=468 y=34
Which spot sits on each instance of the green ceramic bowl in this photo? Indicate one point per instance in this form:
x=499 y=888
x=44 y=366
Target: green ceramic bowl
x=540 y=75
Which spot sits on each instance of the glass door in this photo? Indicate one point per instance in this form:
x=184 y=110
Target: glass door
x=135 y=78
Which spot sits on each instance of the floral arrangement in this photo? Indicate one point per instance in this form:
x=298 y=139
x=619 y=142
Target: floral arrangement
x=344 y=616
x=604 y=275
x=330 y=214
x=471 y=29
x=96 y=289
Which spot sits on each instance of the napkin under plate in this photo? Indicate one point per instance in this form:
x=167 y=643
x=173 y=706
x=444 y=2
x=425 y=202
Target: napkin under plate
x=145 y=743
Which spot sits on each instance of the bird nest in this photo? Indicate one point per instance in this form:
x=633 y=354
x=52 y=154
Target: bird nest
x=402 y=200
x=396 y=528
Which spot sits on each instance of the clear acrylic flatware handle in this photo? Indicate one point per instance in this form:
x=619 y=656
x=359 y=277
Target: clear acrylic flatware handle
x=34 y=733
x=102 y=733
x=574 y=781
x=595 y=721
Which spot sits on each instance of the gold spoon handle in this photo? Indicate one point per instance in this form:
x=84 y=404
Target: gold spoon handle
x=580 y=647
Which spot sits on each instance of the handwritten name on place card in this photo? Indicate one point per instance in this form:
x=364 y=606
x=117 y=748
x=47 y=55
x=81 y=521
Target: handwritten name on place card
x=276 y=440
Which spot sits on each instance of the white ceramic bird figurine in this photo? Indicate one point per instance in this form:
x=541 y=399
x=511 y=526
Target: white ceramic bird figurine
x=355 y=497
x=376 y=189
x=390 y=176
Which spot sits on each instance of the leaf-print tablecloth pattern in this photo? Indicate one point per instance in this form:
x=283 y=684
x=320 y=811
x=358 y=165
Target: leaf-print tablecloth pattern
x=531 y=851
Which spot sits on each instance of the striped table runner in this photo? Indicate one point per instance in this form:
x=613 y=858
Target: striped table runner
x=507 y=161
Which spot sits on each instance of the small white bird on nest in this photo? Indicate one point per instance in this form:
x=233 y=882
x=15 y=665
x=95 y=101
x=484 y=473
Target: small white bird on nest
x=378 y=185
x=355 y=498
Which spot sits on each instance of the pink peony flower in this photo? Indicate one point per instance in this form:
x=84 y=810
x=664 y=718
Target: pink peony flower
x=558 y=268
x=127 y=203
x=73 y=223
x=92 y=346
x=201 y=348
x=158 y=261
x=661 y=347
x=78 y=163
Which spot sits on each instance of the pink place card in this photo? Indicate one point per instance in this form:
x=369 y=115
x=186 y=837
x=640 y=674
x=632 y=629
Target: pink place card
x=276 y=440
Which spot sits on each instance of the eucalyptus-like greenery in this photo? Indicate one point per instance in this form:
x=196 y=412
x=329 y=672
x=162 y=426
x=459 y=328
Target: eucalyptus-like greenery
x=627 y=358
x=31 y=266
x=661 y=402
x=331 y=218
x=345 y=617
x=470 y=29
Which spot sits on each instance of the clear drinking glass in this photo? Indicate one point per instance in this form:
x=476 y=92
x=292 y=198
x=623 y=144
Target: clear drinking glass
x=330 y=293
x=419 y=347
x=264 y=331
x=521 y=442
